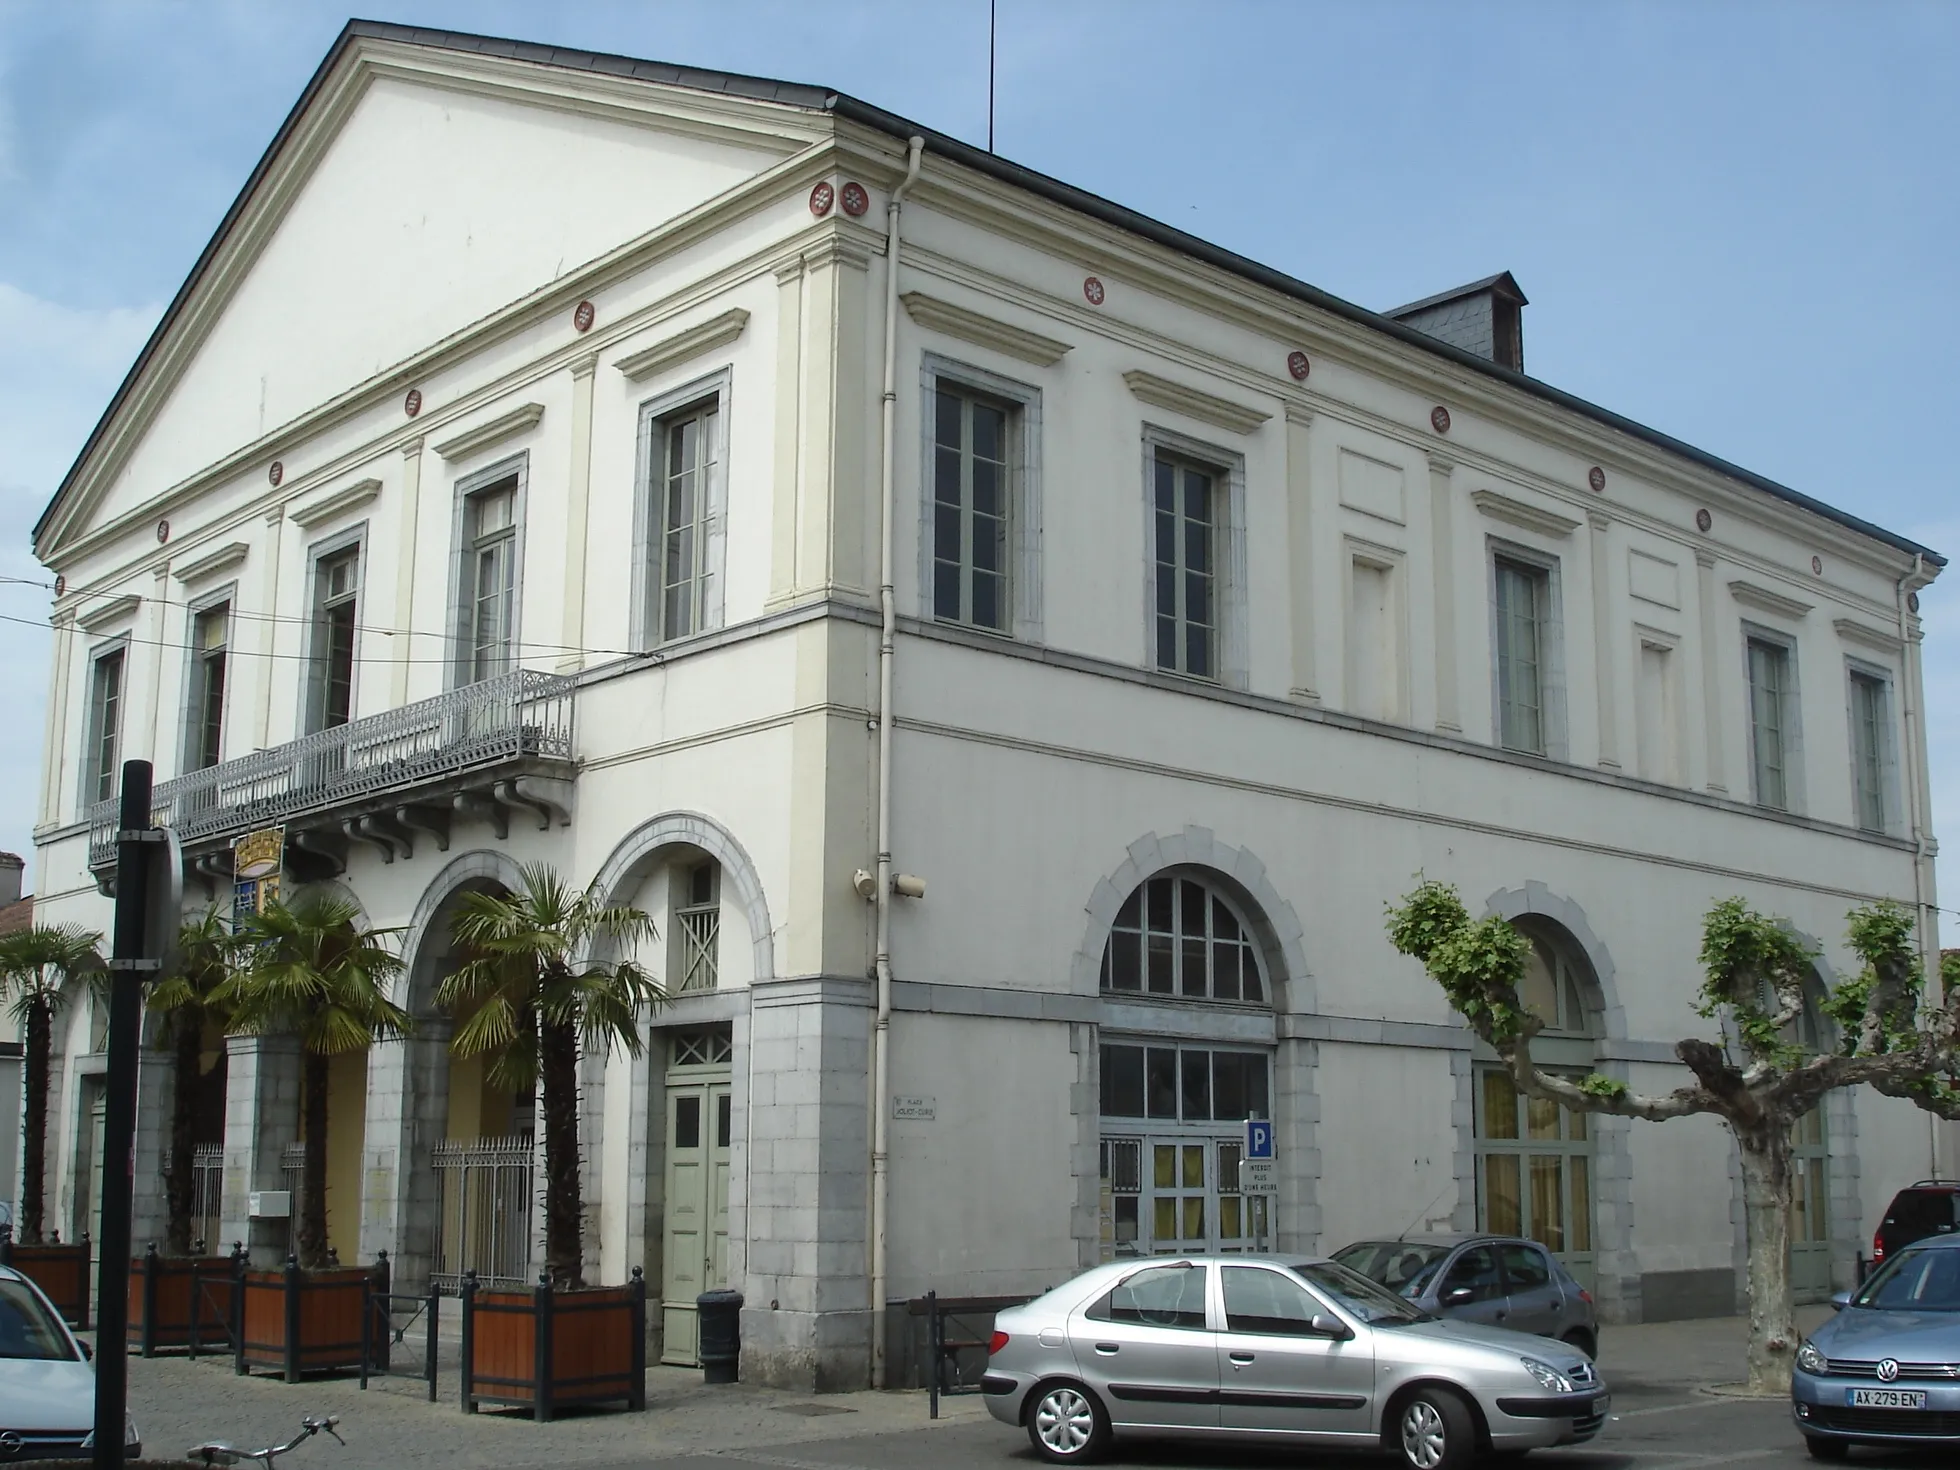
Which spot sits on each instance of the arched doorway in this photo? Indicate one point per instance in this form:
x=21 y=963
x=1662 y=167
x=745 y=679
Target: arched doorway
x=1534 y=1158
x=1174 y=1099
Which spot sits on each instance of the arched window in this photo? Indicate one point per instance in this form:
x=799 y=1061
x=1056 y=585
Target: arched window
x=1535 y=1158
x=1176 y=935
x=1175 y=1100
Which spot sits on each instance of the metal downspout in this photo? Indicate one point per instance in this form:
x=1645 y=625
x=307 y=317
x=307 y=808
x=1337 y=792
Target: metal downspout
x=1929 y=959
x=888 y=627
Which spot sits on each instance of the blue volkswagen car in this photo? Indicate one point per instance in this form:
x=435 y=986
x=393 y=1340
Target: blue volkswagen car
x=1886 y=1369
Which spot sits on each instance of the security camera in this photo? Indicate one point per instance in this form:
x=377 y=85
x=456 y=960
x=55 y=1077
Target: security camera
x=907 y=886
x=865 y=884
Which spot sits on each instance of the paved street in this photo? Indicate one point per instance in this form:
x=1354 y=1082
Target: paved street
x=1663 y=1420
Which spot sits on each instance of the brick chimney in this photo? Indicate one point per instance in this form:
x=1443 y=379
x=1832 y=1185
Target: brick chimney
x=1485 y=317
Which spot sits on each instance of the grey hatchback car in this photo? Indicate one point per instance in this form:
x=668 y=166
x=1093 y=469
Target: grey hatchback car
x=1282 y=1349
x=1499 y=1280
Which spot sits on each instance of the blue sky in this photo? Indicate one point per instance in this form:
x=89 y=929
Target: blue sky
x=1737 y=222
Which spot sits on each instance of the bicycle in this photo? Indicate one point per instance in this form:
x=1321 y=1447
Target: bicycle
x=214 y=1453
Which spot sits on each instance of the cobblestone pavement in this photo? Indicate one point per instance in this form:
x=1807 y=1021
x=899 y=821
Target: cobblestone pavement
x=1663 y=1420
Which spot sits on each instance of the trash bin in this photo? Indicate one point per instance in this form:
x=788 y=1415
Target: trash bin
x=718 y=1318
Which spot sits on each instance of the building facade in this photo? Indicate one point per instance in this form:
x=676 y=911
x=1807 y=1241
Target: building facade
x=519 y=477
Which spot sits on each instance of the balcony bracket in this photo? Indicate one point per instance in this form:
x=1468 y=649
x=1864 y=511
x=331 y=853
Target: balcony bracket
x=548 y=796
x=484 y=809
x=380 y=831
x=433 y=820
x=323 y=845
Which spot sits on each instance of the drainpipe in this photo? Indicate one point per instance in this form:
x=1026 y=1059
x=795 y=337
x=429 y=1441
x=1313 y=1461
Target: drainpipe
x=1929 y=960
x=882 y=896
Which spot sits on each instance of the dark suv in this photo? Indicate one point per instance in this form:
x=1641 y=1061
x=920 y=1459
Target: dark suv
x=1930 y=1207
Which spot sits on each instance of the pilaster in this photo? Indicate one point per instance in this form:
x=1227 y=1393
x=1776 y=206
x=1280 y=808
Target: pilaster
x=1442 y=563
x=268 y=626
x=1301 y=572
x=1711 y=670
x=407 y=1112
x=262 y=1087
x=405 y=566
x=577 y=513
x=1606 y=663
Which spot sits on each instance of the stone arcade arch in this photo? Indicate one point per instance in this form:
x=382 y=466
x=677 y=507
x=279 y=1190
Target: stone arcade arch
x=697 y=1061
x=1237 y=881
x=1562 y=924
x=409 y=1082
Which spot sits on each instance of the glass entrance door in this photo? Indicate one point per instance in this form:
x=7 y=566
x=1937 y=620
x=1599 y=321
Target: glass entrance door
x=1810 y=1215
x=1178 y=1195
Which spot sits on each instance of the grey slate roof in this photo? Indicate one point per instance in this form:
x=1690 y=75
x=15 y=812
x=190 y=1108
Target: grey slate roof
x=815 y=98
x=1503 y=281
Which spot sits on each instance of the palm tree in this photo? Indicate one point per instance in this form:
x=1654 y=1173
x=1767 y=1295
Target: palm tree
x=312 y=970
x=533 y=993
x=40 y=970
x=207 y=953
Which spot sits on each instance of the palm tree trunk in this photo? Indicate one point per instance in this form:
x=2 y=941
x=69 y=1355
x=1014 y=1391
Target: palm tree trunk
x=179 y=1183
x=34 y=1146
x=558 y=1080
x=310 y=1242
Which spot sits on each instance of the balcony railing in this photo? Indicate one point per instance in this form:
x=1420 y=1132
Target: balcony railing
x=522 y=715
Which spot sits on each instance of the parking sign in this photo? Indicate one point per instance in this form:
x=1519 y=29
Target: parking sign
x=1258 y=1170
x=1258 y=1138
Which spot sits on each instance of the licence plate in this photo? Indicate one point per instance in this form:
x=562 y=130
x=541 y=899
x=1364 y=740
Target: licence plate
x=1886 y=1398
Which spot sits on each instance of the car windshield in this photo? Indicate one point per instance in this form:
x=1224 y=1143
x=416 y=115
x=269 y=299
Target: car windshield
x=1397 y=1264
x=1914 y=1281
x=1356 y=1295
x=27 y=1328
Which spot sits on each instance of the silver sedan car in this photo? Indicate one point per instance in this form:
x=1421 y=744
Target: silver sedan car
x=1280 y=1349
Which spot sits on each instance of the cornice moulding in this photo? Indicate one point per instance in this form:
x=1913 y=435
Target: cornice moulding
x=115 y=610
x=971 y=326
x=505 y=426
x=716 y=332
x=1223 y=412
x=1877 y=639
x=224 y=557
x=1522 y=514
x=353 y=497
x=1763 y=599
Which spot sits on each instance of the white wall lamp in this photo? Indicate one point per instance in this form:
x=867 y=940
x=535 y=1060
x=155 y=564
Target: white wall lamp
x=905 y=885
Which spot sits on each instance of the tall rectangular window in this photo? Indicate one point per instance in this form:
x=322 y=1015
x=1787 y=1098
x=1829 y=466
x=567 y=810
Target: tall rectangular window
x=104 y=726
x=1523 y=634
x=210 y=633
x=336 y=606
x=1871 y=739
x=686 y=463
x=490 y=581
x=972 y=490
x=1186 y=520
x=1770 y=711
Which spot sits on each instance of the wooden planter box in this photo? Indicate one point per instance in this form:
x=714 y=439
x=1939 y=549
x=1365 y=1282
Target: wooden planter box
x=182 y=1301
x=61 y=1271
x=542 y=1349
x=297 y=1322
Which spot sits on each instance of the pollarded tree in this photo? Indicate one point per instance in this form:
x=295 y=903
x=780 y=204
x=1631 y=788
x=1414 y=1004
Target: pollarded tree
x=1758 y=1080
x=186 y=998
x=311 y=970
x=531 y=994
x=41 y=971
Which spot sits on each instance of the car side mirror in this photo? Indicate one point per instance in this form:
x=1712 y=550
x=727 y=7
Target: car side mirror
x=1840 y=1300
x=1456 y=1296
x=1325 y=1326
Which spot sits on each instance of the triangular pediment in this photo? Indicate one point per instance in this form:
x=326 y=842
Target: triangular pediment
x=416 y=190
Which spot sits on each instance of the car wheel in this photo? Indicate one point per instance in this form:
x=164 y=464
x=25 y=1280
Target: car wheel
x=1434 y=1431
x=1066 y=1425
x=1583 y=1340
x=1826 y=1449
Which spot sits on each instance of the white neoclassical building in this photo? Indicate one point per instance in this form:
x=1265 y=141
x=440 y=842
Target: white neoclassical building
x=1016 y=686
